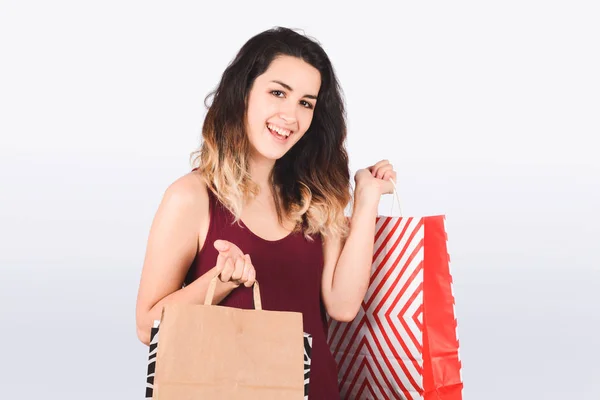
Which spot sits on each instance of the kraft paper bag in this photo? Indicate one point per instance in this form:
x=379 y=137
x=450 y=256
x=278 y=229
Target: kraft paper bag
x=153 y=346
x=217 y=352
x=403 y=344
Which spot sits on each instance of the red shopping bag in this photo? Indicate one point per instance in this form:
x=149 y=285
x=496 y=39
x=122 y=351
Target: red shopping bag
x=403 y=344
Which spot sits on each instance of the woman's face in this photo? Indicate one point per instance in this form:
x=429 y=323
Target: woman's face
x=281 y=104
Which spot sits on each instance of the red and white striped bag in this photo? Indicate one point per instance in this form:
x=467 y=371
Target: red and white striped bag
x=403 y=343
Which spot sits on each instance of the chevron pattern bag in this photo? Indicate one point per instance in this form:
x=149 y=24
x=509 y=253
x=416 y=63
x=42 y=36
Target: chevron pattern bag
x=403 y=344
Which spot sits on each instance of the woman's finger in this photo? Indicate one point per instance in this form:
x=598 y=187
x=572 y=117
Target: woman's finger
x=381 y=171
x=227 y=270
x=249 y=272
x=220 y=263
x=247 y=266
x=378 y=165
x=239 y=269
x=389 y=174
x=251 y=277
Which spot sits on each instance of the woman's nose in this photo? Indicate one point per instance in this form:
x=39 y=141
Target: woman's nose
x=288 y=113
x=289 y=119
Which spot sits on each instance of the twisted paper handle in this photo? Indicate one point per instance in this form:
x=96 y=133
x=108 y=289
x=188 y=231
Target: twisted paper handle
x=397 y=197
x=210 y=293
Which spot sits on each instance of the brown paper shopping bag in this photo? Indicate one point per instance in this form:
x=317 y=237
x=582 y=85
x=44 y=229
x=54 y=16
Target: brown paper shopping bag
x=216 y=352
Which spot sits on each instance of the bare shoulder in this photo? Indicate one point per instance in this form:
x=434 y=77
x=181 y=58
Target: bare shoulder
x=186 y=199
x=188 y=191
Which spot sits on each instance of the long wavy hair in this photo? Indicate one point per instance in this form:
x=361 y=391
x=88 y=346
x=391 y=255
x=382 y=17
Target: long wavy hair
x=311 y=182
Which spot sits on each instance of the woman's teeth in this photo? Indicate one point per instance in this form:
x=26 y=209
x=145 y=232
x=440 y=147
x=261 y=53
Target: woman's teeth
x=279 y=131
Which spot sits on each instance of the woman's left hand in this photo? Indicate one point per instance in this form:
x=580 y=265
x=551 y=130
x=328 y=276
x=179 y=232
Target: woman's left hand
x=374 y=181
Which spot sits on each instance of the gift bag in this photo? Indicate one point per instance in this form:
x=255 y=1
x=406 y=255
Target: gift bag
x=216 y=352
x=403 y=343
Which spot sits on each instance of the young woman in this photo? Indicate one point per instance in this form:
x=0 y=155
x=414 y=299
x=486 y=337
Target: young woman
x=265 y=201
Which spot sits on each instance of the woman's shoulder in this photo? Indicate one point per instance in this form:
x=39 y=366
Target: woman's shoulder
x=188 y=191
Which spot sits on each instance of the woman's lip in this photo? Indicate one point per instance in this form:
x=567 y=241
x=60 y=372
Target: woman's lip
x=277 y=137
x=280 y=127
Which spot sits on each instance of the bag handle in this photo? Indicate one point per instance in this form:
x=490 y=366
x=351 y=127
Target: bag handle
x=212 y=286
x=396 y=197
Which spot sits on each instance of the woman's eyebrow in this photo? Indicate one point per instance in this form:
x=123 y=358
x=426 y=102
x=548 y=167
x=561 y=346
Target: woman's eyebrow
x=288 y=87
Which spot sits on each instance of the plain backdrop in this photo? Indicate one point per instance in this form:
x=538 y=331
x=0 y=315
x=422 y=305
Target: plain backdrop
x=489 y=111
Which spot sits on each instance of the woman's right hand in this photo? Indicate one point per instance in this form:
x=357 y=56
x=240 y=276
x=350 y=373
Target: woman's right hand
x=233 y=265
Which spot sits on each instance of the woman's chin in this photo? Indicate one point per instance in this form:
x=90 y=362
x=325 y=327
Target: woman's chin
x=267 y=146
x=267 y=154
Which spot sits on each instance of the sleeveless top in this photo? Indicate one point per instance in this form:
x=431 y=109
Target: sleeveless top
x=289 y=271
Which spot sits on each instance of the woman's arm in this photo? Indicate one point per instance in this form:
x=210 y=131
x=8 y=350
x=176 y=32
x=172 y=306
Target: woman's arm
x=347 y=264
x=178 y=229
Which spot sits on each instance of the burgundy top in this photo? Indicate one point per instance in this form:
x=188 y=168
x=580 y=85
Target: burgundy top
x=289 y=271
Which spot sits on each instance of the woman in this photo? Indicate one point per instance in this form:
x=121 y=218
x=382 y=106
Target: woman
x=266 y=199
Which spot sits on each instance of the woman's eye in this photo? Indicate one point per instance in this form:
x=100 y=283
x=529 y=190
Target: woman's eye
x=306 y=104
x=281 y=94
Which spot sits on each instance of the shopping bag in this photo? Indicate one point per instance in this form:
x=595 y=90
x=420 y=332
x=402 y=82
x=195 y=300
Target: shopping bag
x=403 y=343
x=153 y=346
x=216 y=352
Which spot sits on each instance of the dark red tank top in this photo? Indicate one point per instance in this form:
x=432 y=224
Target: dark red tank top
x=289 y=271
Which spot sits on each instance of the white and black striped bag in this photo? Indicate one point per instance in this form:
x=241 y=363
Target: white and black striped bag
x=154 y=346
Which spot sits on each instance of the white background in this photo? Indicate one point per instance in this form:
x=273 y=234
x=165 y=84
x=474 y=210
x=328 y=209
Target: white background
x=488 y=111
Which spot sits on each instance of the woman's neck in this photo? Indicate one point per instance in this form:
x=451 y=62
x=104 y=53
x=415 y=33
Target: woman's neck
x=260 y=171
